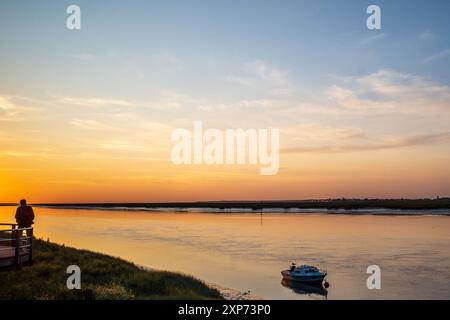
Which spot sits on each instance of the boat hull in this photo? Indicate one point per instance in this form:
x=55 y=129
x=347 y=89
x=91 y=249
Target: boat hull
x=304 y=279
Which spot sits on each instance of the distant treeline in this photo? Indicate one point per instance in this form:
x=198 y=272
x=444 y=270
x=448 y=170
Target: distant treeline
x=438 y=203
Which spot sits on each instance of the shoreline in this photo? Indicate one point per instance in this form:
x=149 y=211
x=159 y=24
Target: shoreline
x=305 y=211
x=225 y=292
x=328 y=204
x=232 y=294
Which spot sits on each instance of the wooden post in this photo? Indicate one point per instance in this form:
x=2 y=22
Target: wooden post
x=13 y=233
x=17 y=253
x=30 y=259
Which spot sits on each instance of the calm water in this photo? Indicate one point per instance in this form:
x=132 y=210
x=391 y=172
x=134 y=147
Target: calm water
x=245 y=251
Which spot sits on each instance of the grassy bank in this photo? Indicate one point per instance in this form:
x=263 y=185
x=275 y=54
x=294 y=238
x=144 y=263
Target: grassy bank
x=102 y=277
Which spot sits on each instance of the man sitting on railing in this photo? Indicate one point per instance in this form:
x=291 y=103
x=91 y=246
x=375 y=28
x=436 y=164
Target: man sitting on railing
x=25 y=216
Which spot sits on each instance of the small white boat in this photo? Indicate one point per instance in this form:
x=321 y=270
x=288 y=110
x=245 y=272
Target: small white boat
x=304 y=273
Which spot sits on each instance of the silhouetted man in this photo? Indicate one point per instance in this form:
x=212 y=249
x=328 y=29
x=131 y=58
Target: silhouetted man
x=25 y=216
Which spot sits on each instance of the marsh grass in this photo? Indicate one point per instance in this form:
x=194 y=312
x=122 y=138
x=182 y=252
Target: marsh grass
x=102 y=277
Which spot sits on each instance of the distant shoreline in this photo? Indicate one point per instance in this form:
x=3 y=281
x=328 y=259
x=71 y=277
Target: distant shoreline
x=331 y=204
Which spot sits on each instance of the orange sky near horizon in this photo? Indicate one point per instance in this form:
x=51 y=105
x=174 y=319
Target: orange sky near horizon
x=116 y=177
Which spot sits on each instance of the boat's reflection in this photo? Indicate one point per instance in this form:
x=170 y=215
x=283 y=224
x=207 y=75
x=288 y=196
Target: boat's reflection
x=305 y=289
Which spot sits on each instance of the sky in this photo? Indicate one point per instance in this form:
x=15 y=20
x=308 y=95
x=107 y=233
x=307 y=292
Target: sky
x=87 y=115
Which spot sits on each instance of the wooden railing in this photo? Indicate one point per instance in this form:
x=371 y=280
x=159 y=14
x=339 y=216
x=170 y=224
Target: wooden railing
x=15 y=248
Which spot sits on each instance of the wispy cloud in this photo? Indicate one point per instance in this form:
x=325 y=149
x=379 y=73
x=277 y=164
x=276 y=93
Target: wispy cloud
x=260 y=104
x=260 y=74
x=373 y=144
x=90 y=124
x=166 y=101
x=317 y=133
x=122 y=145
x=393 y=83
x=95 y=102
x=437 y=56
x=6 y=104
x=268 y=72
x=12 y=108
x=382 y=92
x=27 y=154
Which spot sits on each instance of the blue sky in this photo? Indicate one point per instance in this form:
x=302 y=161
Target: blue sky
x=212 y=38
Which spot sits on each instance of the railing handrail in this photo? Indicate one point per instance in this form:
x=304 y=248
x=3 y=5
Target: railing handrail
x=23 y=238
x=16 y=229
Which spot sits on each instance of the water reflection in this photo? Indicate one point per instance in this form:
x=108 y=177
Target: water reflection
x=251 y=248
x=305 y=289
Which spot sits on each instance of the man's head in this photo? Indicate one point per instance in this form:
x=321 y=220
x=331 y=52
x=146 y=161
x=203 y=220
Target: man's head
x=23 y=202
